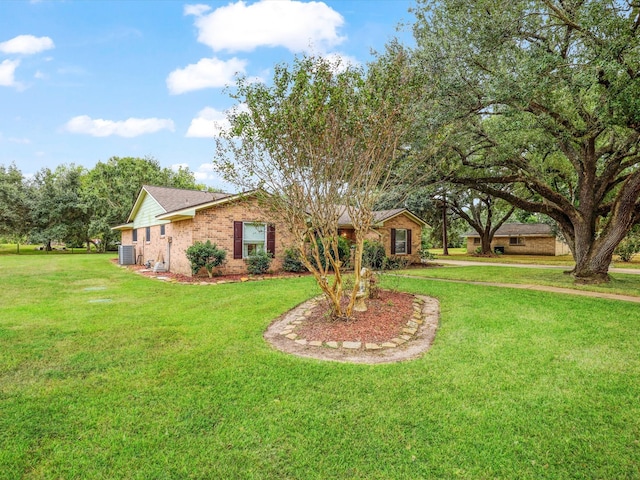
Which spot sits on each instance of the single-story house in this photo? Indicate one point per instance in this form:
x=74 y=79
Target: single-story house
x=165 y=221
x=521 y=239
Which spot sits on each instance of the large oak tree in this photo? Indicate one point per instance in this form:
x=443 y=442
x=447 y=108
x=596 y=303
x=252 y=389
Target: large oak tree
x=542 y=96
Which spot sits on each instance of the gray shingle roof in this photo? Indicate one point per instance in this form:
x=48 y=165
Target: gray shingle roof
x=378 y=215
x=177 y=198
x=519 y=230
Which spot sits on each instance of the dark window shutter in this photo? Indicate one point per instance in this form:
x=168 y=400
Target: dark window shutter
x=408 y=241
x=271 y=239
x=237 y=240
x=393 y=241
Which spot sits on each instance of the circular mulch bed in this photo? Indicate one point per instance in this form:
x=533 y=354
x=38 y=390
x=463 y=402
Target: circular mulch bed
x=383 y=320
x=395 y=327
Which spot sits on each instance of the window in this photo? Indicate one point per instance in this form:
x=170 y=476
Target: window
x=134 y=238
x=162 y=230
x=516 y=240
x=401 y=241
x=147 y=234
x=250 y=237
x=254 y=238
x=476 y=240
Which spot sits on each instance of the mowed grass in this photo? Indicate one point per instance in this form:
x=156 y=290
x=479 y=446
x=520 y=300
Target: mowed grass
x=106 y=374
x=621 y=283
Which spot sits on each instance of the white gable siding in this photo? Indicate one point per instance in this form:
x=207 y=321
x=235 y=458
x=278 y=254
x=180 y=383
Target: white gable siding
x=146 y=214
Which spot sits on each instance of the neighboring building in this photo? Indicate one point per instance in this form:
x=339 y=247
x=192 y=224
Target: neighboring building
x=165 y=221
x=398 y=230
x=521 y=239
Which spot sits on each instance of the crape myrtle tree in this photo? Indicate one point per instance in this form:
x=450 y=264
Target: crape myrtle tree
x=544 y=96
x=320 y=141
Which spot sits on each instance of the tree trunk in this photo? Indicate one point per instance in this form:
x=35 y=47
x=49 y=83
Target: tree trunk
x=445 y=239
x=485 y=243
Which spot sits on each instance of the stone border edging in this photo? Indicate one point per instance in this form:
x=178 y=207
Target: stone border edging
x=416 y=338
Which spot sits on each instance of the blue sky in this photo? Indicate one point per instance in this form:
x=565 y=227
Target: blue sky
x=83 y=81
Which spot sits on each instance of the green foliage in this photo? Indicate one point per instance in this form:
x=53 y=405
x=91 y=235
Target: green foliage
x=528 y=100
x=630 y=246
x=205 y=255
x=373 y=255
x=291 y=261
x=396 y=262
x=344 y=253
x=425 y=244
x=111 y=188
x=258 y=263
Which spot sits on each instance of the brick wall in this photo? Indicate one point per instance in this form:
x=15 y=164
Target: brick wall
x=402 y=221
x=216 y=224
x=531 y=246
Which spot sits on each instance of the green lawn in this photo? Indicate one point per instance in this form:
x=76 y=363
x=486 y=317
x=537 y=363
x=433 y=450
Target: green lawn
x=106 y=374
x=621 y=283
x=13 y=249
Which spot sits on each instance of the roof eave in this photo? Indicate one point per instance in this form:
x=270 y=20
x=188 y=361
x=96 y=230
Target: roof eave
x=123 y=227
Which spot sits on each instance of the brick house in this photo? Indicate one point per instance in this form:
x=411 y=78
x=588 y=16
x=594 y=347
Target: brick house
x=165 y=221
x=398 y=230
x=521 y=239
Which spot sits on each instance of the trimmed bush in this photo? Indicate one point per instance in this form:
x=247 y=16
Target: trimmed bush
x=259 y=263
x=205 y=255
x=373 y=256
x=291 y=261
x=395 y=262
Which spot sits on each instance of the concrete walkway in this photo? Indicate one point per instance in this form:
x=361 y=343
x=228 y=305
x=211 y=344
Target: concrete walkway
x=539 y=288
x=469 y=263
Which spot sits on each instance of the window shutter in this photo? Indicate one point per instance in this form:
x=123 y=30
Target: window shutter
x=271 y=239
x=393 y=241
x=408 y=241
x=237 y=240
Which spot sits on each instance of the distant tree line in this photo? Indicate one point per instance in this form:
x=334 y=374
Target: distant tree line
x=78 y=206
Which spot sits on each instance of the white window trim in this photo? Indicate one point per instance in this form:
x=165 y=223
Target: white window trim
x=402 y=241
x=245 y=243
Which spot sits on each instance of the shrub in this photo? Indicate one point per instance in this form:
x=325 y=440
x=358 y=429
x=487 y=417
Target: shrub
x=205 y=255
x=627 y=248
x=395 y=262
x=259 y=263
x=344 y=253
x=373 y=255
x=292 y=262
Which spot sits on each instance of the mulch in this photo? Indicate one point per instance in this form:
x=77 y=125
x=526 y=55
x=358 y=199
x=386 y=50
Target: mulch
x=177 y=277
x=383 y=320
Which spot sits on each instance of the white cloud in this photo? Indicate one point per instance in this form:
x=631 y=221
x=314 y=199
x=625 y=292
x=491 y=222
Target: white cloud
x=7 y=73
x=207 y=73
x=291 y=24
x=205 y=172
x=26 y=45
x=177 y=166
x=208 y=124
x=196 y=10
x=340 y=62
x=132 y=127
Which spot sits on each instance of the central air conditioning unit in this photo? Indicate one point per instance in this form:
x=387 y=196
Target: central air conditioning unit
x=126 y=255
